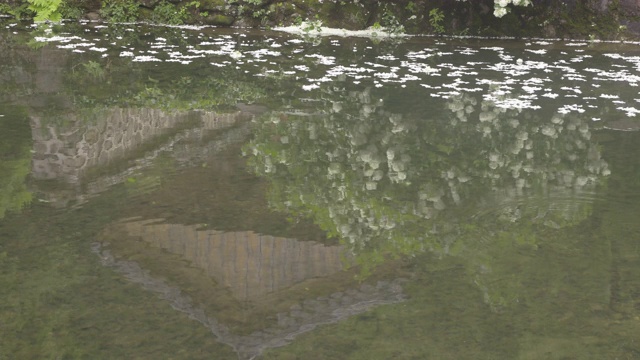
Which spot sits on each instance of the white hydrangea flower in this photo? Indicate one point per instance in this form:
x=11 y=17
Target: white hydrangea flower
x=499 y=12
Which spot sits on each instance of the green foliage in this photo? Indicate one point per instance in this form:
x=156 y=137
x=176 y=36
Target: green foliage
x=314 y=25
x=167 y=13
x=436 y=17
x=120 y=11
x=256 y=8
x=411 y=7
x=390 y=22
x=45 y=10
x=6 y=9
x=70 y=11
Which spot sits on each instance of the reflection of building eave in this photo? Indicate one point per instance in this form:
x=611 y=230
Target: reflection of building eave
x=251 y=265
x=301 y=318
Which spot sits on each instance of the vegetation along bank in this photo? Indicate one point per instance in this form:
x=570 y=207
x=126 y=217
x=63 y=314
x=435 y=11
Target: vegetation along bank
x=586 y=19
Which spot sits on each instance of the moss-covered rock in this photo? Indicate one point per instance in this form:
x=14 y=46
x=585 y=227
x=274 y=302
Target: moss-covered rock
x=218 y=20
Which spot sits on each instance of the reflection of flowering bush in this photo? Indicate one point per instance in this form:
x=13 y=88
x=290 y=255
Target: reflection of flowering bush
x=524 y=156
x=540 y=171
x=349 y=169
x=382 y=181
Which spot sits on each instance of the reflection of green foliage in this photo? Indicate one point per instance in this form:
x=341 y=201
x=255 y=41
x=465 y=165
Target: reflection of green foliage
x=495 y=260
x=32 y=300
x=388 y=183
x=339 y=173
x=175 y=88
x=15 y=162
x=40 y=30
x=213 y=92
x=94 y=69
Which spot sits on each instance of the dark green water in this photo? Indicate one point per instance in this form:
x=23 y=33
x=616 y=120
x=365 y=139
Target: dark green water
x=220 y=194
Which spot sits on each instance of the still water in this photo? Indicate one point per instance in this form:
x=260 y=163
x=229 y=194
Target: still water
x=201 y=193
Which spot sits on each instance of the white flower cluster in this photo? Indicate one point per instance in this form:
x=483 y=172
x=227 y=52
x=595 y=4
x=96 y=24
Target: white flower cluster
x=500 y=6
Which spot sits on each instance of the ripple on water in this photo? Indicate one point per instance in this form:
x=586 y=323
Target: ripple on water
x=556 y=208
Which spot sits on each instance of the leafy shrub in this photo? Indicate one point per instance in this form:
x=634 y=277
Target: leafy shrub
x=167 y=13
x=70 y=10
x=436 y=17
x=390 y=22
x=18 y=11
x=120 y=11
x=45 y=9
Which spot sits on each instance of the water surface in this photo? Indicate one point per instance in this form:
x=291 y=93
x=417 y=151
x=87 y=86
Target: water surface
x=206 y=193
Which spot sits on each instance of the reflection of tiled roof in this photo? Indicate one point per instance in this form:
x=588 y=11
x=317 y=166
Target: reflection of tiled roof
x=300 y=318
x=251 y=265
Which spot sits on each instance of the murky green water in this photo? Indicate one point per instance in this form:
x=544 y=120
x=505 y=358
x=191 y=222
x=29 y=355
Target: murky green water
x=221 y=194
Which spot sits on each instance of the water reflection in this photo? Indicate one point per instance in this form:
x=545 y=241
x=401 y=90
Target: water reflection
x=384 y=181
x=15 y=159
x=503 y=176
x=78 y=151
x=255 y=268
x=251 y=265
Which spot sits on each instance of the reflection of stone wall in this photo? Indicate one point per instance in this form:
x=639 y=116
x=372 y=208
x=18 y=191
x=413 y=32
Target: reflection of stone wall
x=33 y=78
x=66 y=152
x=251 y=265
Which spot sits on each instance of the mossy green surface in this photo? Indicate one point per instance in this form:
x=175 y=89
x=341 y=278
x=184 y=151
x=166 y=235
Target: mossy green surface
x=220 y=20
x=59 y=302
x=446 y=317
